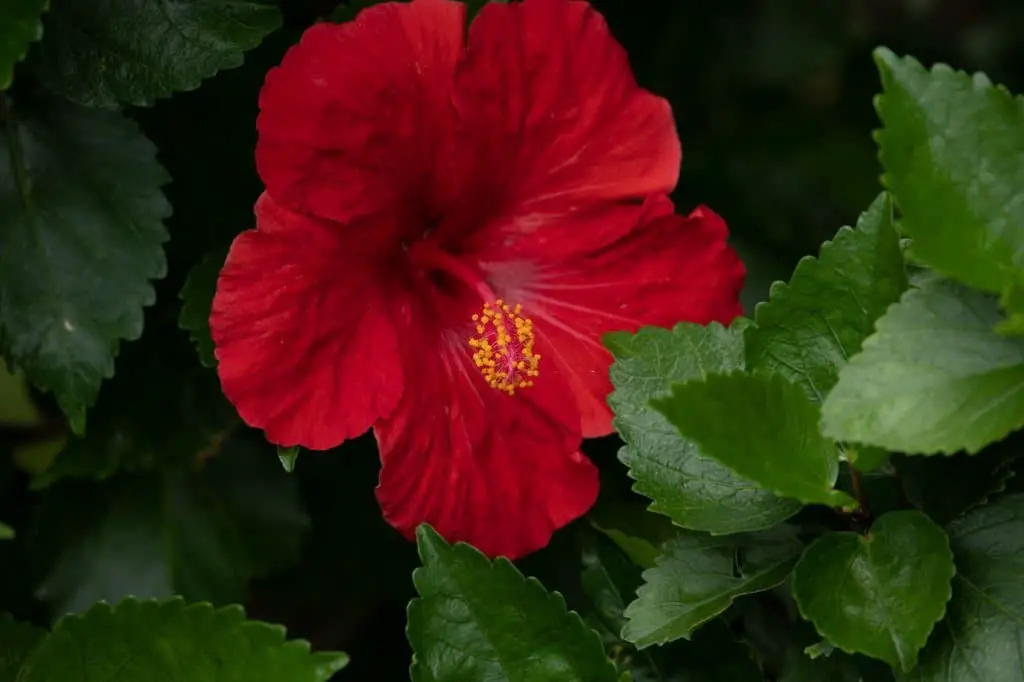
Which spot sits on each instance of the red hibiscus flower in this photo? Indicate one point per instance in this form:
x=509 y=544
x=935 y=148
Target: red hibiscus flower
x=450 y=224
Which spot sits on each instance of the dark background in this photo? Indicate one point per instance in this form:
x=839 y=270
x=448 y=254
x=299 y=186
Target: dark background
x=773 y=100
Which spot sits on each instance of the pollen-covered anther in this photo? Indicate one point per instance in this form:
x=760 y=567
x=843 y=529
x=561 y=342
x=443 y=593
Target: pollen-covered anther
x=503 y=347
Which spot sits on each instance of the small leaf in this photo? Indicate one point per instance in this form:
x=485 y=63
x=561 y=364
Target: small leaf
x=149 y=640
x=810 y=327
x=6 y=532
x=17 y=642
x=878 y=594
x=197 y=302
x=82 y=238
x=953 y=150
x=933 y=379
x=134 y=51
x=637 y=532
x=980 y=638
x=482 y=620
x=692 y=489
x=699 y=576
x=762 y=427
x=202 y=535
x=609 y=579
x=20 y=26
x=288 y=457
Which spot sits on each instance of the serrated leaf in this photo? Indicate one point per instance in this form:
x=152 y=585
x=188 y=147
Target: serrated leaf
x=934 y=378
x=82 y=210
x=980 y=638
x=145 y=641
x=953 y=150
x=482 y=620
x=944 y=488
x=20 y=26
x=17 y=642
x=879 y=594
x=810 y=327
x=764 y=428
x=692 y=489
x=699 y=577
x=202 y=535
x=197 y=302
x=156 y=47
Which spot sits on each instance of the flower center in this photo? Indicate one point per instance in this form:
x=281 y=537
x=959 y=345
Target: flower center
x=503 y=347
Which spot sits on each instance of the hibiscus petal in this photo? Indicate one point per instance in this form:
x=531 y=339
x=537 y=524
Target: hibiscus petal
x=672 y=269
x=557 y=127
x=352 y=121
x=500 y=472
x=305 y=349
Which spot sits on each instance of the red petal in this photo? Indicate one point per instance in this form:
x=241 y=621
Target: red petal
x=500 y=472
x=305 y=348
x=352 y=121
x=557 y=125
x=673 y=269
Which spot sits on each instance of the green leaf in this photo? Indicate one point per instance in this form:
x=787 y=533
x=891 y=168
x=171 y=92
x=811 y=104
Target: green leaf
x=810 y=327
x=482 y=620
x=953 y=150
x=944 y=488
x=20 y=26
x=134 y=51
x=288 y=457
x=637 y=532
x=609 y=579
x=144 y=641
x=980 y=638
x=933 y=379
x=82 y=238
x=203 y=535
x=17 y=642
x=197 y=302
x=878 y=594
x=6 y=532
x=764 y=428
x=692 y=489
x=699 y=577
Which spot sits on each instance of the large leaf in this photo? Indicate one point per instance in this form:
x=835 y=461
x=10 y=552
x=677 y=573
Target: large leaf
x=20 y=25
x=812 y=326
x=202 y=535
x=981 y=638
x=694 y=490
x=699 y=576
x=482 y=620
x=953 y=150
x=879 y=594
x=156 y=47
x=146 y=641
x=82 y=209
x=764 y=428
x=934 y=378
x=17 y=642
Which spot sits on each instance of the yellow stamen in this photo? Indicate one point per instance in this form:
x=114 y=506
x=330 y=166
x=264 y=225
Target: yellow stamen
x=503 y=347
